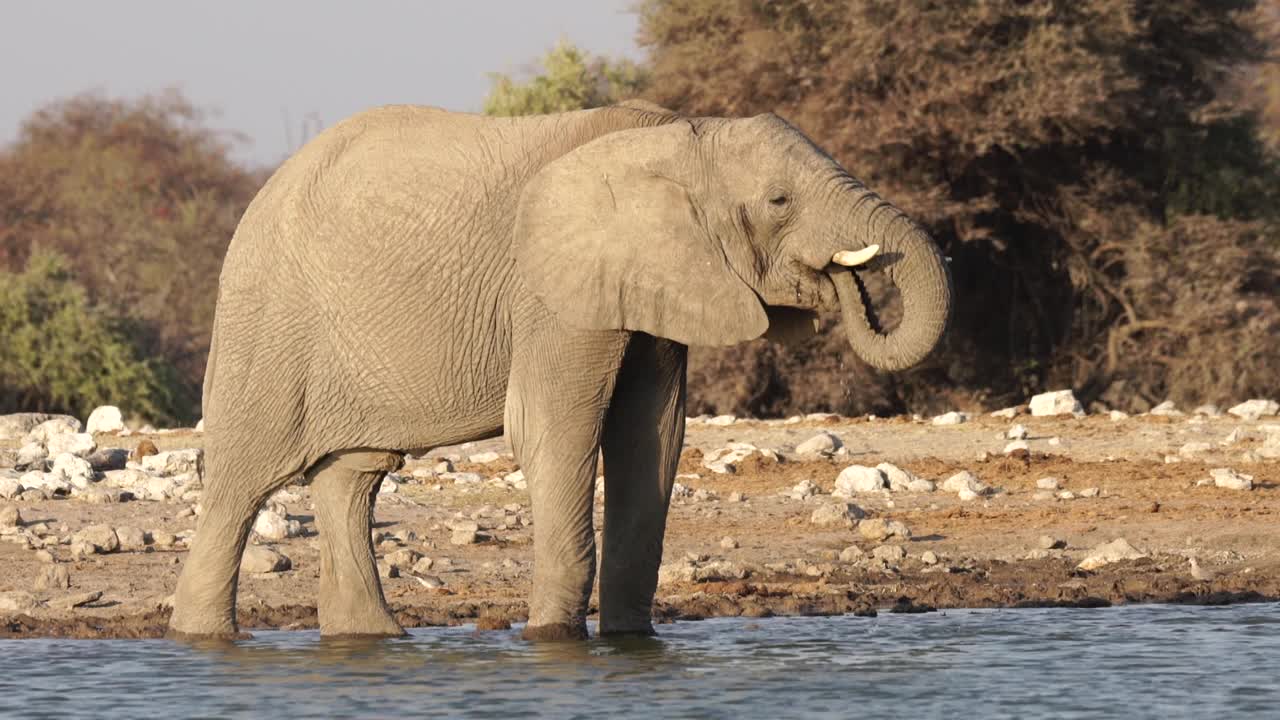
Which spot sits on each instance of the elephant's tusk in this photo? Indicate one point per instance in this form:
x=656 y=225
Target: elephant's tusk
x=853 y=258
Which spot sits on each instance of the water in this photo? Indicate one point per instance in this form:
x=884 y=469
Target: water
x=1136 y=661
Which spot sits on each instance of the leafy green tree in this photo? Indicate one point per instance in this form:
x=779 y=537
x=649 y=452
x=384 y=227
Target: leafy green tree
x=571 y=80
x=62 y=354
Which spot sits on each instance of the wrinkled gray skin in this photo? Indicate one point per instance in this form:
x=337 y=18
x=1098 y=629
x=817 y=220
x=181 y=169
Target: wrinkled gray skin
x=415 y=278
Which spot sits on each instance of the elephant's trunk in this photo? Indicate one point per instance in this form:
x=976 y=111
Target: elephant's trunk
x=915 y=265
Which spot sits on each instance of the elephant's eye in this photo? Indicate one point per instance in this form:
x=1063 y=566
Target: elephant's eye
x=779 y=200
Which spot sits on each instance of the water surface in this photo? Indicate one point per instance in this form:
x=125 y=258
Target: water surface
x=1136 y=661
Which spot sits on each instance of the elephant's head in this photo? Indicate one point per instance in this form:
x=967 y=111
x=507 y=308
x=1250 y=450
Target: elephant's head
x=707 y=231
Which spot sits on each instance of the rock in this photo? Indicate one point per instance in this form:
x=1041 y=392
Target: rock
x=1058 y=402
x=10 y=517
x=263 y=559
x=17 y=602
x=1208 y=409
x=56 y=425
x=1117 y=415
x=102 y=538
x=53 y=577
x=880 y=529
x=78 y=444
x=804 y=489
x=722 y=420
x=889 y=553
x=388 y=486
x=1255 y=408
x=1165 y=409
x=967 y=495
x=31 y=454
x=1008 y=413
x=929 y=557
x=728 y=543
x=105 y=419
x=463 y=536
x=15 y=426
x=74 y=469
x=1090 y=492
x=857 y=479
x=1016 y=445
x=951 y=418
x=143 y=449
x=900 y=480
x=175 y=462
x=1048 y=483
x=10 y=488
x=719 y=571
x=199 y=426
x=422 y=566
x=725 y=460
x=1230 y=479
x=163 y=539
x=403 y=559
x=1017 y=432
x=1066 y=495
x=104 y=459
x=1193 y=449
x=736 y=497
x=443 y=466
x=964 y=480
x=1107 y=553
x=482 y=458
x=131 y=539
x=69 y=602
x=836 y=514
x=273 y=525
x=853 y=553
x=1047 y=542
x=821 y=445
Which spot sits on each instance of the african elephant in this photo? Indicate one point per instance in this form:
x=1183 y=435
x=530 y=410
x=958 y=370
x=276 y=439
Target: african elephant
x=413 y=278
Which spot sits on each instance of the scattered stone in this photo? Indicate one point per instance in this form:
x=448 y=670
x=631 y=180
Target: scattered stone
x=17 y=602
x=903 y=480
x=105 y=459
x=404 y=559
x=967 y=495
x=736 y=497
x=9 y=488
x=1107 y=553
x=951 y=418
x=836 y=514
x=821 y=445
x=78 y=444
x=853 y=553
x=69 y=602
x=1165 y=409
x=1230 y=479
x=73 y=469
x=443 y=466
x=483 y=458
x=101 y=537
x=889 y=553
x=261 y=559
x=1208 y=409
x=1008 y=413
x=31 y=454
x=273 y=525
x=1193 y=449
x=131 y=539
x=804 y=489
x=199 y=426
x=857 y=479
x=464 y=532
x=10 y=517
x=1058 y=402
x=175 y=462
x=1090 y=492
x=728 y=543
x=163 y=539
x=1066 y=495
x=725 y=460
x=422 y=566
x=105 y=419
x=929 y=557
x=55 y=425
x=880 y=529
x=1255 y=408
x=1015 y=446
x=15 y=426
x=143 y=449
x=964 y=480
x=53 y=577
x=1048 y=483
x=722 y=420
x=1043 y=495
x=1118 y=415
x=1048 y=542
x=1017 y=432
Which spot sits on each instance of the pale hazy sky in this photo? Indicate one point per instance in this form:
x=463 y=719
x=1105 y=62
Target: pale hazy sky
x=254 y=61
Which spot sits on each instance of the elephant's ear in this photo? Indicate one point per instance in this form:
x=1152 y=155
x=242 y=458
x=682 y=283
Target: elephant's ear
x=609 y=238
x=790 y=326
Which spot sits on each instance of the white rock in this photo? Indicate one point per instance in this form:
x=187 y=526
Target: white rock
x=10 y=517
x=951 y=418
x=964 y=480
x=1230 y=479
x=10 y=487
x=1017 y=432
x=1255 y=408
x=261 y=559
x=1090 y=492
x=1048 y=483
x=199 y=426
x=725 y=460
x=1066 y=495
x=929 y=557
x=484 y=457
x=275 y=526
x=174 y=462
x=822 y=444
x=1058 y=402
x=836 y=514
x=722 y=420
x=31 y=453
x=17 y=601
x=880 y=529
x=1117 y=415
x=57 y=425
x=967 y=495
x=131 y=539
x=1107 y=553
x=105 y=419
x=1016 y=445
x=1209 y=409
x=902 y=480
x=1007 y=413
x=804 y=489
x=1192 y=449
x=49 y=482
x=857 y=479
x=102 y=537
x=1165 y=409
x=79 y=444
x=73 y=469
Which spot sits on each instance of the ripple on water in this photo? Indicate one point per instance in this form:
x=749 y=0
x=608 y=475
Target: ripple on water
x=1140 y=661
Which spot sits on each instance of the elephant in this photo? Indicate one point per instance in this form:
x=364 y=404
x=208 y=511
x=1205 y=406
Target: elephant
x=413 y=278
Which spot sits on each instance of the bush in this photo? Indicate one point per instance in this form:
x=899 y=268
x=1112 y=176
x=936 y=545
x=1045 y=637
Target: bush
x=62 y=354
x=571 y=80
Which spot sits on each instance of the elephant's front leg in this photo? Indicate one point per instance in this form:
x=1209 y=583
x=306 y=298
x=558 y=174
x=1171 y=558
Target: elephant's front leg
x=561 y=383
x=643 y=435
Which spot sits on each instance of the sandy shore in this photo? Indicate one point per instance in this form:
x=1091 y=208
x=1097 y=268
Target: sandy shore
x=739 y=543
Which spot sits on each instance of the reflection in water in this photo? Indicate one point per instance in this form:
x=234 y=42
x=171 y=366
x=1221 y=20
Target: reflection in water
x=1141 y=660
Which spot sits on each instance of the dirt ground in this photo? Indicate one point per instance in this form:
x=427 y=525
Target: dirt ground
x=737 y=544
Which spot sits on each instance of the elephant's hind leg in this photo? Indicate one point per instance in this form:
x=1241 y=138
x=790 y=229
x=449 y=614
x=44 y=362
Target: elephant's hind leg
x=344 y=486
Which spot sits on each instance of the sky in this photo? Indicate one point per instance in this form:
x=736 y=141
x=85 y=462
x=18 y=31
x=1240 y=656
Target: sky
x=266 y=65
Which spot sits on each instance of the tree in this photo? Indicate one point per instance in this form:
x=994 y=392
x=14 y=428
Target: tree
x=1108 y=208
x=571 y=80
x=62 y=354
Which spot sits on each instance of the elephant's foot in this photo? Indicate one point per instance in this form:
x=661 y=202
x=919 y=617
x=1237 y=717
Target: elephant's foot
x=555 y=632
x=193 y=623
x=631 y=627
x=368 y=620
